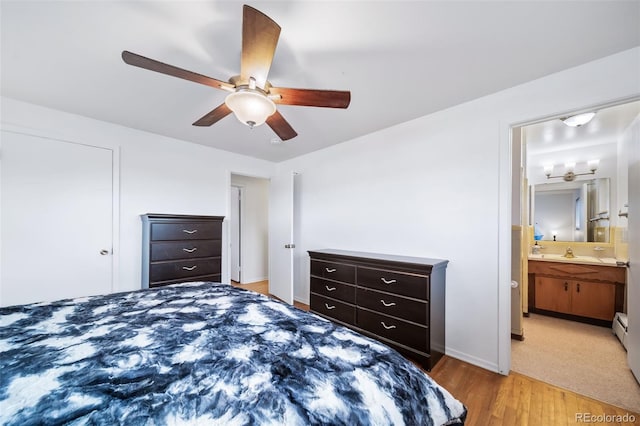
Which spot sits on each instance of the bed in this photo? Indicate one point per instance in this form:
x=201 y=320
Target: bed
x=203 y=353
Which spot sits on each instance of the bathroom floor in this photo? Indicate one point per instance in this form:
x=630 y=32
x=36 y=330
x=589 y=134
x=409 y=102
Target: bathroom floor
x=583 y=358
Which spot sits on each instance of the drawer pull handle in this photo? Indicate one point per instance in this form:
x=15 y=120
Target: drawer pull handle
x=330 y=270
x=387 y=304
x=189 y=268
x=329 y=288
x=193 y=231
x=387 y=281
x=191 y=250
x=388 y=327
x=329 y=307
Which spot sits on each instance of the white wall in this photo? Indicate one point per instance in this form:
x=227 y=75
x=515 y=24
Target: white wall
x=156 y=174
x=254 y=232
x=440 y=186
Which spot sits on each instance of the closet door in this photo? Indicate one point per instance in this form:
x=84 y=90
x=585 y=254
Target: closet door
x=56 y=223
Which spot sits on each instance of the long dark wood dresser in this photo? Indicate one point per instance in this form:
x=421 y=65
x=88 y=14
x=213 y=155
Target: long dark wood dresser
x=398 y=300
x=180 y=248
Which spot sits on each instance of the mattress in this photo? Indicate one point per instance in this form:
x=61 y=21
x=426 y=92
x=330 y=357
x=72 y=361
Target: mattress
x=203 y=353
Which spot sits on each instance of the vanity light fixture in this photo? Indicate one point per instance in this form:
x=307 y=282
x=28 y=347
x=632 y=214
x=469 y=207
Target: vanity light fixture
x=578 y=119
x=569 y=174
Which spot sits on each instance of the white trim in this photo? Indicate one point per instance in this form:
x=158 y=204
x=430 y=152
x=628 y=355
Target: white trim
x=115 y=217
x=255 y=280
x=504 y=224
x=226 y=263
x=300 y=300
x=241 y=189
x=472 y=360
x=504 y=249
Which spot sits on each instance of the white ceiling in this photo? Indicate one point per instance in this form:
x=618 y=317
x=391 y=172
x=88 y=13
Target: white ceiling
x=401 y=60
x=553 y=137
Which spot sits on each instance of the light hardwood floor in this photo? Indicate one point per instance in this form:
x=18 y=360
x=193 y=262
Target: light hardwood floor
x=494 y=399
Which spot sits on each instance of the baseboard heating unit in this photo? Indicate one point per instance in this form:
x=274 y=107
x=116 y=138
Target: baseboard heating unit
x=620 y=327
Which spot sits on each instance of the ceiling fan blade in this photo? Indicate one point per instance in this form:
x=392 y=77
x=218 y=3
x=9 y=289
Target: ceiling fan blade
x=311 y=97
x=157 y=66
x=281 y=126
x=214 y=116
x=259 y=39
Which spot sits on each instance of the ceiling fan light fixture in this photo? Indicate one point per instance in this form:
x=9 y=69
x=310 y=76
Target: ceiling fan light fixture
x=250 y=107
x=579 y=119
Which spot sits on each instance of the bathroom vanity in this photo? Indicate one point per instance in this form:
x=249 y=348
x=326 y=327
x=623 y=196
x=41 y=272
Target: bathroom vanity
x=576 y=289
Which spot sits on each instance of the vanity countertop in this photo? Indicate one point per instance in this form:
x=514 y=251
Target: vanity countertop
x=590 y=260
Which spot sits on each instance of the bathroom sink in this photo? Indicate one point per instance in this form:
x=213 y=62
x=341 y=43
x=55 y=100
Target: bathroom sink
x=576 y=259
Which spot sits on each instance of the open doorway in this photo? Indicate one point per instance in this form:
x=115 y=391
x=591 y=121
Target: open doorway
x=550 y=156
x=248 y=229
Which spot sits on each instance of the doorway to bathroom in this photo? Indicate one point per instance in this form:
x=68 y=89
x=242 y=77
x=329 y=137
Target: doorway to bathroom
x=552 y=153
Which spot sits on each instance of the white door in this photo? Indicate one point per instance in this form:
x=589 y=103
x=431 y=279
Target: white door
x=56 y=222
x=281 y=237
x=236 y=203
x=633 y=272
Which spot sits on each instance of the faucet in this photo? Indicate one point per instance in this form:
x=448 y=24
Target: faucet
x=568 y=253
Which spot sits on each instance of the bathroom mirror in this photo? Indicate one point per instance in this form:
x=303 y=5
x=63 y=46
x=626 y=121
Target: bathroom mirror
x=572 y=211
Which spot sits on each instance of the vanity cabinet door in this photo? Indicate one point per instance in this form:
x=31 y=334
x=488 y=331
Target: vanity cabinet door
x=553 y=294
x=593 y=300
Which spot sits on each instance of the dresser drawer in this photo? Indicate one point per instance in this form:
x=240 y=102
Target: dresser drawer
x=165 y=271
x=186 y=231
x=333 y=289
x=399 y=331
x=334 y=309
x=185 y=250
x=394 y=282
x=396 y=306
x=334 y=271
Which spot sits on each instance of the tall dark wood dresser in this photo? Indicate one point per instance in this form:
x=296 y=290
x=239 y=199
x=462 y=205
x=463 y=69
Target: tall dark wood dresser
x=180 y=248
x=398 y=300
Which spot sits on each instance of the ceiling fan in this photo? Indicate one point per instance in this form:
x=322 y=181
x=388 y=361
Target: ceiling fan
x=252 y=98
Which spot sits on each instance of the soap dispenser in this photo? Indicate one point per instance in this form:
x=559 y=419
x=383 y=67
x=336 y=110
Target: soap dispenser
x=535 y=249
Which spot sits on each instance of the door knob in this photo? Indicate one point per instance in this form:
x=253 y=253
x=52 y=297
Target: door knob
x=104 y=252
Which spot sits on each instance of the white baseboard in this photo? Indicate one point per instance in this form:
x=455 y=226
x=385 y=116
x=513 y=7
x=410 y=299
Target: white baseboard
x=301 y=300
x=472 y=360
x=253 y=280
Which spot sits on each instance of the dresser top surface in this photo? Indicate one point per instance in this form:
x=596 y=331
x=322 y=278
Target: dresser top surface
x=163 y=216
x=364 y=256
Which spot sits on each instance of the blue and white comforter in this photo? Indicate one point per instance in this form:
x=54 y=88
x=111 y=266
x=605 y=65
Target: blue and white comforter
x=202 y=354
